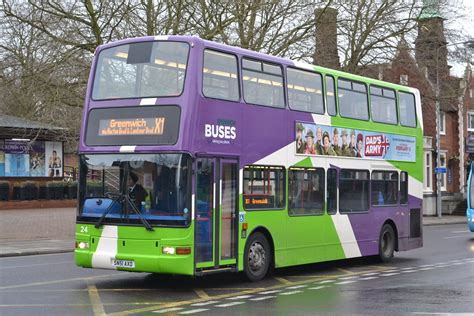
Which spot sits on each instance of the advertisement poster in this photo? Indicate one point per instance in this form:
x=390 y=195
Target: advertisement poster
x=17 y=158
x=54 y=156
x=2 y=159
x=37 y=159
x=312 y=139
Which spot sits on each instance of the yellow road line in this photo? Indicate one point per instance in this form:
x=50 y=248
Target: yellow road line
x=283 y=280
x=97 y=306
x=347 y=272
x=222 y=296
x=201 y=294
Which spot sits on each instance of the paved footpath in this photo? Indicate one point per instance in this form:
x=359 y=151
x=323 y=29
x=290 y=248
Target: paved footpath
x=42 y=231
x=36 y=231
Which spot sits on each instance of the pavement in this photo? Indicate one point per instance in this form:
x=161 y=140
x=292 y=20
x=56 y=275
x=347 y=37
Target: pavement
x=46 y=231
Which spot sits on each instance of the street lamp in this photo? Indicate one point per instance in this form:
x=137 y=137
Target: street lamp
x=438 y=126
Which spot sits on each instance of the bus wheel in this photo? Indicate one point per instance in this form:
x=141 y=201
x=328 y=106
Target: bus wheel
x=386 y=243
x=257 y=257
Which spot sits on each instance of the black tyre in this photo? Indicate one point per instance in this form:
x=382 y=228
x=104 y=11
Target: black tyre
x=386 y=243
x=257 y=257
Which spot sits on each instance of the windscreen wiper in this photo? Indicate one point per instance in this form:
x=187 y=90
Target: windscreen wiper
x=118 y=199
x=145 y=223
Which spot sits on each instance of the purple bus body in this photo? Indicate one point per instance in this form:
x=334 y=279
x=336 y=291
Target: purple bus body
x=260 y=132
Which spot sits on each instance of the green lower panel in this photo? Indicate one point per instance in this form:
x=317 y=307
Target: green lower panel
x=134 y=243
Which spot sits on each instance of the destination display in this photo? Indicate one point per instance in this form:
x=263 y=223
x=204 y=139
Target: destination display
x=138 y=126
x=152 y=125
x=253 y=201
x=315 y=140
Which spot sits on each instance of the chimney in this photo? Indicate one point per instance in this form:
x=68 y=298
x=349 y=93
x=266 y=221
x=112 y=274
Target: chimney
x=326 y=38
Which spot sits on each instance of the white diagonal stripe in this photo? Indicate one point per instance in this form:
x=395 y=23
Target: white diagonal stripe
x=106 y=248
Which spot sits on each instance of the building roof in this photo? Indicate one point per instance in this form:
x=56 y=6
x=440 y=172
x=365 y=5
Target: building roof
x=18 y=122
x=17 y=127
x=430 y=10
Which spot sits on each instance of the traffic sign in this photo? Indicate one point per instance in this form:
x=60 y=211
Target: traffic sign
x=440 y=170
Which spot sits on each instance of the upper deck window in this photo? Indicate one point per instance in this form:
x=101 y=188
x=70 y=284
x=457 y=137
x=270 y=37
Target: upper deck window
x=263 y=83
x=383 y=105
x=353 y=99
x=407 y=109
x=138 y=70
x=330 y=95
x=220 y=80
x=305 y=91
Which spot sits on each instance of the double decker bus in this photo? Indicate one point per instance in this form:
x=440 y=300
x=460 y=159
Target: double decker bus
x=197 y=158
x=470 y=200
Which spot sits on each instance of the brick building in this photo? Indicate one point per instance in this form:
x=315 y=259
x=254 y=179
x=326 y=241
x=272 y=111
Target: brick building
x=457 y=105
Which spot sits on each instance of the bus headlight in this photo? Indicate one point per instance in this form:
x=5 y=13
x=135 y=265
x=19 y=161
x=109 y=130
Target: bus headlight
x=82 y=245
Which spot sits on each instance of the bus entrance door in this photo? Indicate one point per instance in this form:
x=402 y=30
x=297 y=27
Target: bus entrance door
x=216 y=209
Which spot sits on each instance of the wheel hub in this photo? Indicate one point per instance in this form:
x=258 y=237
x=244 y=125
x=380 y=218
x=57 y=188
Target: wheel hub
x=256 y=256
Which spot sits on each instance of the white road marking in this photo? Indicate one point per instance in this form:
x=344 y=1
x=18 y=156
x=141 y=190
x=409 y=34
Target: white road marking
x=426 y=265
x=409 y=268
x=345 y=282
x=295 y=287
x=317 y=287
x=204 y=303
x=458 y=236
x=230 y=304
x=240 y=297
x=428 y=268
x=369 y=278
x=194 y=311
x=390 y=274
x=371 y=274
x=291 y=292
x=409 y=271
x=390 y=271
x=447 y=314
x=270 y=292
x=168 y=310
x=262 y=298
x=459 y=231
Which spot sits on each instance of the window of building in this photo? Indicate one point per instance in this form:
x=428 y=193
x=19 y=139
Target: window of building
x=403 y=188
x=353 y=191
x=384 y=188
x=220 y=79
x=404 y=80
x=306 y=191
x=470 y=121
x=330 y=96
x=352 y=99
x=442 y=160
x=305 y=91
x=442 y=123
x=262 y=83
x=383 y=105
x=264 y=187
x=428 y=168
x=332 y=191
x=406 y=103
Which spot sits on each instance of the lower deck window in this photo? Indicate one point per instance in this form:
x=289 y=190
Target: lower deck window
x=353 y=191
x=264 y=187
x=384 y=188
x=305 y=191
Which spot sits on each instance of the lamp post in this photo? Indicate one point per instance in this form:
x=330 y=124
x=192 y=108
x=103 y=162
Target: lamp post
x=438 y=125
